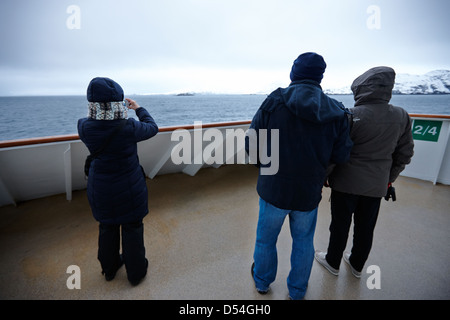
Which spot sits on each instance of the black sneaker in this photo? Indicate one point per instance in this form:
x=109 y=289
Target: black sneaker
x=259 y=290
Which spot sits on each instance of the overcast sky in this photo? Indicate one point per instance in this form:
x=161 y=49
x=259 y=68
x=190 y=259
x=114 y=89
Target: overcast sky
x=52 y=47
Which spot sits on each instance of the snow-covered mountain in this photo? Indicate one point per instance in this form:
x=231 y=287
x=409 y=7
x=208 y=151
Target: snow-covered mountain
x=434 y=82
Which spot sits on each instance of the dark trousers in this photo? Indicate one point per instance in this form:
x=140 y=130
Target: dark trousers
x=365 y=212
x=133 y=250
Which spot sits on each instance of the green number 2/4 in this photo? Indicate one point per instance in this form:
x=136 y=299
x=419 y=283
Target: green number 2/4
x=428 y=130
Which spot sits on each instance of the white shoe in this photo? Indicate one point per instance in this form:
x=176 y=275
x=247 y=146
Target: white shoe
x=320 y=257
x=357 y=274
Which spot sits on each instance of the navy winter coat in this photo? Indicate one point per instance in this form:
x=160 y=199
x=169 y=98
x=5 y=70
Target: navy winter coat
x=116 y=190
x=313 y=132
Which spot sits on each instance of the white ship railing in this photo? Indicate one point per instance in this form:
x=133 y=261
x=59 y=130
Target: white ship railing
x=40 y=167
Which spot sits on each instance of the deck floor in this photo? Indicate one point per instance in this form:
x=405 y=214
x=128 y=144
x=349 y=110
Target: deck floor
x=199 y=238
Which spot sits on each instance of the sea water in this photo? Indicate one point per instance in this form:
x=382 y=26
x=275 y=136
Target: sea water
x=29 y=117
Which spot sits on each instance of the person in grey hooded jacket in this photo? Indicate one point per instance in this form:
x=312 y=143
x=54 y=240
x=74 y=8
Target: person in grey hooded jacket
x=382 y=147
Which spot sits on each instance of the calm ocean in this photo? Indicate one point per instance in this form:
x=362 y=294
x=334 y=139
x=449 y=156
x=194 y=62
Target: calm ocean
x=29 y=117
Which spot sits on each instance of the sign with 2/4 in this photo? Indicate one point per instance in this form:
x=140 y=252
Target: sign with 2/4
x=427 y=130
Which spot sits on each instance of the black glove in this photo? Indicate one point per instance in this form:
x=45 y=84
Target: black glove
x=390 y=193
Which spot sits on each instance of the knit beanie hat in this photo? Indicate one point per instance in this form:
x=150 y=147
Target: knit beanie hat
x=104 y=90
x=105 y=98
x=308 y=65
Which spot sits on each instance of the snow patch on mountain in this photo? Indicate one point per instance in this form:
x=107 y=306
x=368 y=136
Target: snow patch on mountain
x=434 y=82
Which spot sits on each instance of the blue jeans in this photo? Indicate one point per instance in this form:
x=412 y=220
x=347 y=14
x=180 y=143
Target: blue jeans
x=302 y=225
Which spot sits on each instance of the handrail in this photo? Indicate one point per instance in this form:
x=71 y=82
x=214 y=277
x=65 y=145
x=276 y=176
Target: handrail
x=71 y=137
x=438 y=116
x=205 y=125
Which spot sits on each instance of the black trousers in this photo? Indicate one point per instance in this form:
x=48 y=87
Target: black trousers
x=133 y=250
x=365 y=213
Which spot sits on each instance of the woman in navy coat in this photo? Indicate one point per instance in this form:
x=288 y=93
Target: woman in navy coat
x=117 y=189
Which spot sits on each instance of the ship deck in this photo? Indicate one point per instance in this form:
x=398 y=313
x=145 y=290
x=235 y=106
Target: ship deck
x=199 y=238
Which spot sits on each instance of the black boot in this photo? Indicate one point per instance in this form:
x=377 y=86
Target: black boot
x=111 y=276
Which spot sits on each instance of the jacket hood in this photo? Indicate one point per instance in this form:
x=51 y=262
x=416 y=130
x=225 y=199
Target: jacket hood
x=374 y=86
x=104 y=90
x=306 y=100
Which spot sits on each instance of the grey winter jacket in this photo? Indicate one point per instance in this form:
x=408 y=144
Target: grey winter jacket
x=381 y=135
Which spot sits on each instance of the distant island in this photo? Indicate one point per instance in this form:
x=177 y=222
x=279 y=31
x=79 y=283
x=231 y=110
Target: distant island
x=185 y=94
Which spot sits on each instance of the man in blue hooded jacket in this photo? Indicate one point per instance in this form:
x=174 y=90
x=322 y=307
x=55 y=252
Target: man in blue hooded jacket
x=313 y=132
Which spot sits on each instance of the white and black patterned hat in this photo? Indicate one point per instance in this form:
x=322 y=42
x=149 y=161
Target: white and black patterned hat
x=107 y=110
